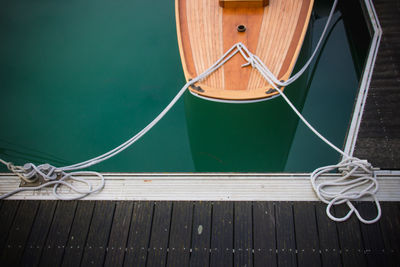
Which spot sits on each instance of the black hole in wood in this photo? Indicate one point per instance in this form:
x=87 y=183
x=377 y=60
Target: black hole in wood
x=241 y=28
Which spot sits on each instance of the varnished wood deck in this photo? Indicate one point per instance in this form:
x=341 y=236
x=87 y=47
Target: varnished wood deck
x=274 y=33
x=83 y=233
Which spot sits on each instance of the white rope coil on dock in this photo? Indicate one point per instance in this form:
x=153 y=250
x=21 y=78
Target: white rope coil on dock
x=358 y=178
x=51 y=175
x=357 y=181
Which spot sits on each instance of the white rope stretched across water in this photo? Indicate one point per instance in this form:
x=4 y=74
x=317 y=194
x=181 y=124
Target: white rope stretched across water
x=358 y=178
x=58 y=175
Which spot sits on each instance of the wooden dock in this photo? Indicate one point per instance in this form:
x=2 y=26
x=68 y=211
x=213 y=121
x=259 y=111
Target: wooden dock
x=379 y=135
x=126 y=233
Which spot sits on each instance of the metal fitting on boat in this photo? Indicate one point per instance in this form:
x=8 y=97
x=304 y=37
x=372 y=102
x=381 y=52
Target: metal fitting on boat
x=241 y=28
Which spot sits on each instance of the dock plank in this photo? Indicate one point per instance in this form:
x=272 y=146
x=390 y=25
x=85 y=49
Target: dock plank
x=180 y=234
x=328 y=238
x=243 y=233
x=82 y=233
x=57 y=238
x=78 y=234
x=39 y=232
x=379 y=134
x=19 y=233
x=8 y=210
x=371 y=236
x=201 y=234
x=157 y=255
x=139 y=234
x=222 y=234
x=307 y=241
x=285 y=234
x=264 y=234
x=99 y=232
x=350 y=239
x=119 y=234
x=390 y=223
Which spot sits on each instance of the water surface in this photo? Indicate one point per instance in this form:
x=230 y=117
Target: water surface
x=78 y=78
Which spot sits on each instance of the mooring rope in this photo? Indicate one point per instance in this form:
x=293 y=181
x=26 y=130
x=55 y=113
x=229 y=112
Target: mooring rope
x=30 y=173
x=358 y=178
x=357 y=181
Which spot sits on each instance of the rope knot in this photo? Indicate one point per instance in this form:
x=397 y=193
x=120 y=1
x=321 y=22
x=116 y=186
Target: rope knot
x=11 y=166
x=247 y=55
x=46 y=171
x=250 y=61
x=357 y=180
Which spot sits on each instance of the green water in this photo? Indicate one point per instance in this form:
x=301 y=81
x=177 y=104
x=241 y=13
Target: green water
x=77 y=78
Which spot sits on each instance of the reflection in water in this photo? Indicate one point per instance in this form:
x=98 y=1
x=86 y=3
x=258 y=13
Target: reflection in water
x=267 y=136
x=252 y=137
x=333 y=86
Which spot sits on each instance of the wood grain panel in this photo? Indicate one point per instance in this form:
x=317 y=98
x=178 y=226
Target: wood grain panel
x=274 y=33
x=204 y=19
x=237 y=78
x=201 y=234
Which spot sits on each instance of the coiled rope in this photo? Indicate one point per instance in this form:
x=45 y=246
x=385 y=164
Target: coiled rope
x=358 y=179
x=29 y=173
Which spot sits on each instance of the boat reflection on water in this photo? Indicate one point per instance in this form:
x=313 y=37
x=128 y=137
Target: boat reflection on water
x=252 y=137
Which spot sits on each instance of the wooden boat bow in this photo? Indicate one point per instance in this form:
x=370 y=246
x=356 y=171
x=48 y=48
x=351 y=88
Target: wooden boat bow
x=274 y=30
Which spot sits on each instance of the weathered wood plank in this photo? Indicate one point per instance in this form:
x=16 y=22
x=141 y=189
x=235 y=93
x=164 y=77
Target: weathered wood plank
x=264 y=234
x=285 y=234
x=390 y=223
x=371 y=235
x=157 y=255
x=78 y=234
x=139 y=234
x=307 y=241
x=19 y=233
x=201 y=234
x=98 y=233
x=299 y=225
x=39 y=232
x=350 y=239
x=180 y=234
x=58 y=234
x=243 y=233
x=119 y=234
x=379 y=133
x=222 y=234
x=328 y=237
x=8 y=210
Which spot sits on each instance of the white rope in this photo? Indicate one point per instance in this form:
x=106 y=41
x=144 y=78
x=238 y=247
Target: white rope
x=357 y=180
x=29 y=173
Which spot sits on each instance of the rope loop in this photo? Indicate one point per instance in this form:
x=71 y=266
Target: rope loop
x=53 y=176
x=357 y=181
x=14 y=168
x=46 y=171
